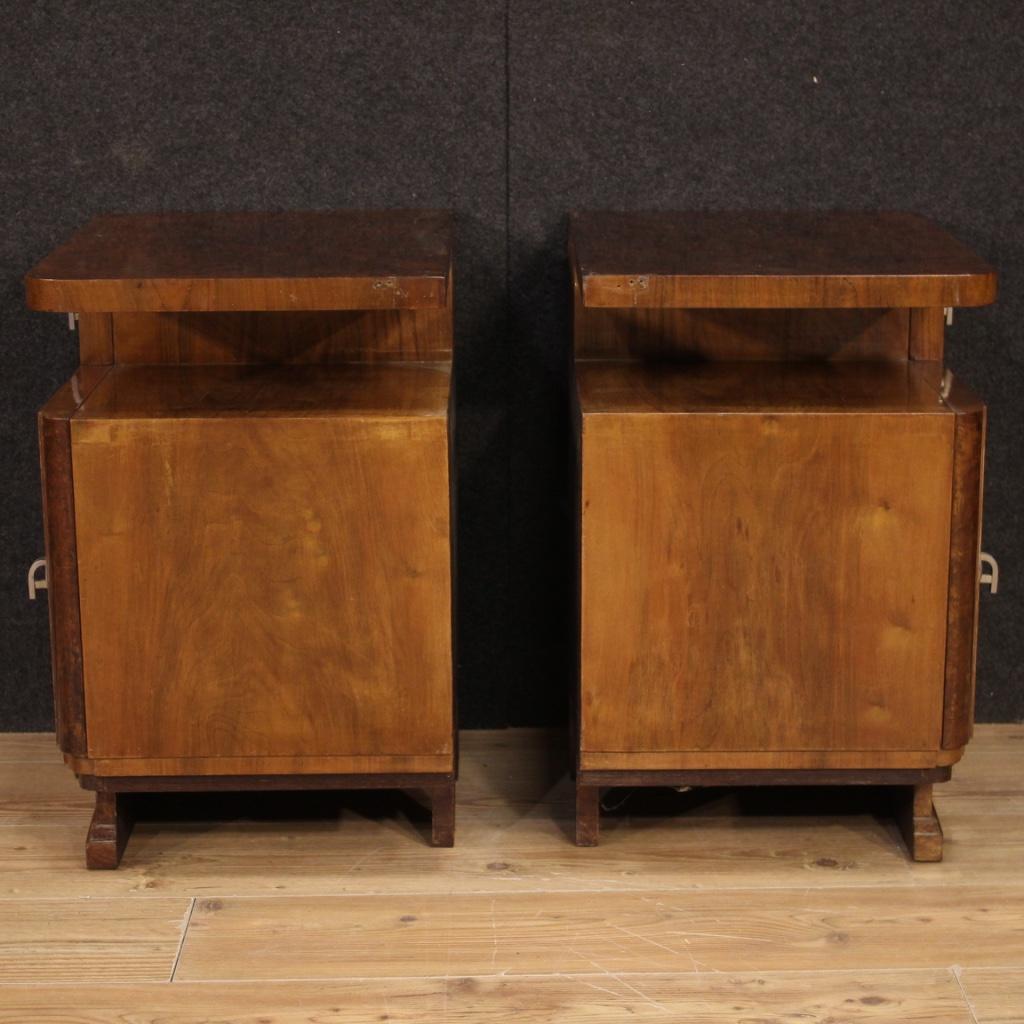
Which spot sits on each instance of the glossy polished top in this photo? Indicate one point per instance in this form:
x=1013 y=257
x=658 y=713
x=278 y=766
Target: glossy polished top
x=766 y=259
x=206 y=262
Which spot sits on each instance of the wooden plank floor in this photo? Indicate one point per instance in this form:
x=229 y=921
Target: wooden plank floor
x=715 y=906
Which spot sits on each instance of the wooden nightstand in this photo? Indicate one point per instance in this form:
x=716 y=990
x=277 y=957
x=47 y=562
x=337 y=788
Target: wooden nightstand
x=248 y=507
x=780 y=504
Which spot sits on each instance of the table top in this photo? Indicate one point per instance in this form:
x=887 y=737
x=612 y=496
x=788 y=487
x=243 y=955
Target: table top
x=206 y=262
x=773 y=259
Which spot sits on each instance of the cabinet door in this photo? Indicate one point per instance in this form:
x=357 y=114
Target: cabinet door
x=265 y=586
x=764 y=582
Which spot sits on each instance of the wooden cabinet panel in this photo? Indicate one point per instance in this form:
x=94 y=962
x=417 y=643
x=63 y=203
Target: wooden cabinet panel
x=248 y=507
x=319 y=337
x=964 y=554
x=780 y=504
x=264 y=586
x=54 y=422
x=764 y=581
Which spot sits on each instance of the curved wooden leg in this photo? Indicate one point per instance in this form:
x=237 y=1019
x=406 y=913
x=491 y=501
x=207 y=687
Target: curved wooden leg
x=442 y=815
x=108 y=832
x=919 y=823
x=588 y=814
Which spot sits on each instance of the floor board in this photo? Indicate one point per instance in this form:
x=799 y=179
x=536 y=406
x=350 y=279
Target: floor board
x=90 y=940
x=711 y=906
x=892 y=997
x=995 y=996
x=636 y=932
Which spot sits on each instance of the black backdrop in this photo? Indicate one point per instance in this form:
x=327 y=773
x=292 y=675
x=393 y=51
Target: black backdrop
x=511 y=113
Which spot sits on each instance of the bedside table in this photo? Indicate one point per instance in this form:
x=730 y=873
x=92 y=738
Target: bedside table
x=780 y=504
x=248 y=507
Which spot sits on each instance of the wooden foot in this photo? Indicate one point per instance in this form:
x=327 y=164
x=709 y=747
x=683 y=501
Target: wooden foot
x=919 y=823
x=108 y=832
x=588 y=814
x=442 y=815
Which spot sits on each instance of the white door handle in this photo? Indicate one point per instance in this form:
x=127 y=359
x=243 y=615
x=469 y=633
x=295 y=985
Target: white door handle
x=37 y=584
x=992 y=576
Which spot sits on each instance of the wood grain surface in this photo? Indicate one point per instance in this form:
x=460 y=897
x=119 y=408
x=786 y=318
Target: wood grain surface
x=996 y=995
x=515 y=813
x=515 y=803
x=863 y=997
x=964 y=569
x=620 y=388
x=693 y=335
x=774 y=777
x=772 y=473
x=319 y=336
x=56 y=477
x=257 y=765
x=768 y=760
x=632 y=933
x=52 y=941
x=280 y=583
x=361 y=391
x=766 y=259
x=202 y=262
x=927 y=333
x=95 y=339
x=764 y=581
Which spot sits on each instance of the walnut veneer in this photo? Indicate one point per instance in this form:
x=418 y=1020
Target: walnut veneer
x=780 y=503
x=248 y=506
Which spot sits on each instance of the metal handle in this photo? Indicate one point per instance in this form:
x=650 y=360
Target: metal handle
x=992 y=576
x=34 y=584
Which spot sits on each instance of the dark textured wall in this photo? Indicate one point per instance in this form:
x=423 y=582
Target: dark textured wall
x=511 y=114
x=207 y=104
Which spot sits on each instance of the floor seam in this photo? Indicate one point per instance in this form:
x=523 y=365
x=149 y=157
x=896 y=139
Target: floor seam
x=526 y=975
x=944 y=885
x=181 y=944
x=956 y=970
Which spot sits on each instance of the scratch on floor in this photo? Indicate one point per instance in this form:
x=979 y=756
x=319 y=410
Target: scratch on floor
x=616 y=977
x=494 y=937
x=644 y=938
x=720 y=935
x=597 y=988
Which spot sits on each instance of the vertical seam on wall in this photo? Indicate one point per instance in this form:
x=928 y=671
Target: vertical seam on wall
x=508 y=135
x=506 y=677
